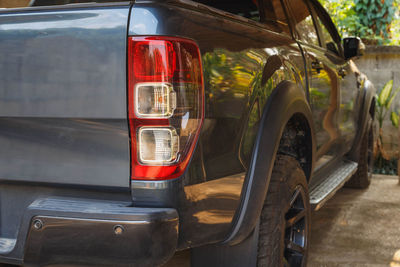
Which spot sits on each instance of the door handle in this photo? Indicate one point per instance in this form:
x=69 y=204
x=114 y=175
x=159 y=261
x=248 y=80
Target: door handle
x=316 y=65
x=342 y=72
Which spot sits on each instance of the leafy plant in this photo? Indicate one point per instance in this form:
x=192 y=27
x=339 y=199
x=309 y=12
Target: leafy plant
x=394 y=117
x=377 y=15
x=384 y=101
x=375 y=21
x=343 y=15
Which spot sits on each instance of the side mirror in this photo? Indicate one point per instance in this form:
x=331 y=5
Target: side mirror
x=353 y=47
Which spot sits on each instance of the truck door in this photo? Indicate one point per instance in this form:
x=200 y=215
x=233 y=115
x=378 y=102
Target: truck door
x=322 y=80
x=347 y=73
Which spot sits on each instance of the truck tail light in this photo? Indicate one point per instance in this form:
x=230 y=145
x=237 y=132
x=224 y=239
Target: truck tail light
x=165 y=105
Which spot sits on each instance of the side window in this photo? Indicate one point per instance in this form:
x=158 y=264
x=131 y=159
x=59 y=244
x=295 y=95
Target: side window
x=303 y=21
x=326 y=38
x=244 y=8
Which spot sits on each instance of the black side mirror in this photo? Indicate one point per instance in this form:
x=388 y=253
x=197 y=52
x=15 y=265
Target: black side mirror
x=353 y=47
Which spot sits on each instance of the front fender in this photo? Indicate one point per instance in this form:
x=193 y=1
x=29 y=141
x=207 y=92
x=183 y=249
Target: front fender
x=366 y=111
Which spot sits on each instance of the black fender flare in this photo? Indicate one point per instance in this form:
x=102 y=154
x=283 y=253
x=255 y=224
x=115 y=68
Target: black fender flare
x=367 y=108
x=286 y=100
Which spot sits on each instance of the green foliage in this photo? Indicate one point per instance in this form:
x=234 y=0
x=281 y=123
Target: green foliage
x=376 y=15
x=384 y=166
x=375 y=21
x=395 y=27
x=384 y=101
x=394 y=117
x=383 y=104
x=343 y=15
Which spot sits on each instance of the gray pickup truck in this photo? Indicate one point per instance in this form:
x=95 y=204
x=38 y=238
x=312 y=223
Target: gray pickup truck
x=131 y=130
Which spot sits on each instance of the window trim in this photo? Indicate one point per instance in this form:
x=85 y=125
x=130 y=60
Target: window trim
x=315 y=8
x=296 y=34
x=325 y=19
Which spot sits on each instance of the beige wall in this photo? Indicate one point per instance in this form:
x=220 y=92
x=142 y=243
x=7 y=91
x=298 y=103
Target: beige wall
x=381 y=64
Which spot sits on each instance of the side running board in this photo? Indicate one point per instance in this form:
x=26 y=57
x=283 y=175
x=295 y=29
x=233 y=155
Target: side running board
x=322 y=192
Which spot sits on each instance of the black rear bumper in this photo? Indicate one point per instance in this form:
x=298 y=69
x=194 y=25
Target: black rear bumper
x=71 y=231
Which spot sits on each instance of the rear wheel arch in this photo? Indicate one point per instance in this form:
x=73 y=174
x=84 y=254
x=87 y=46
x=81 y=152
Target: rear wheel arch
x=286 y=109
x=296 y=141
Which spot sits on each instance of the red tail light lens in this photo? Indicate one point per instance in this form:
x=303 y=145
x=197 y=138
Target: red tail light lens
x=154 y=59
x=165 y=94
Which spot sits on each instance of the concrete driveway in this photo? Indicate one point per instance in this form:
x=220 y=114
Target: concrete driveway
x=359 y=227
x=354 y=228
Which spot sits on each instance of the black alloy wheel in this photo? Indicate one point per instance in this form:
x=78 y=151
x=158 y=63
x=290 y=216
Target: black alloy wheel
x=283 y=238
x=296 y=229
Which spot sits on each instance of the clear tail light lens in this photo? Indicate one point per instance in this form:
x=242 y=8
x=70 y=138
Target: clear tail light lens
x=166 y=105
x=154 y=100
x=157 y=145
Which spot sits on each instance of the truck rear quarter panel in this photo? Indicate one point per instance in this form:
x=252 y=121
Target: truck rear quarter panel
x=242 y=64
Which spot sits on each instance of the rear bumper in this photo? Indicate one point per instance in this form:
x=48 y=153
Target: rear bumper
x=73 y=231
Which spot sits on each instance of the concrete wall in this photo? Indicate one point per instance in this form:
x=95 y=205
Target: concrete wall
x=381 y=64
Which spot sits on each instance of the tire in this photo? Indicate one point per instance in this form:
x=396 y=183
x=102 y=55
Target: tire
x=284 y=228
x=362 y=178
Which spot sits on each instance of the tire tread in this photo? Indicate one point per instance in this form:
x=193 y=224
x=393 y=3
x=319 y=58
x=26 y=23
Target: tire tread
x=286 y=173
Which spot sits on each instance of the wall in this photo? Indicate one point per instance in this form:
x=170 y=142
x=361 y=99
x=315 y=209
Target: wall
x=381 y=64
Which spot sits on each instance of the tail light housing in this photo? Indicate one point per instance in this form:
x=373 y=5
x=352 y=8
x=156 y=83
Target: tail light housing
x=165 y=105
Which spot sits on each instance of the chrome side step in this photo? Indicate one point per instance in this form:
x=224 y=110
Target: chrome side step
x=328 y=187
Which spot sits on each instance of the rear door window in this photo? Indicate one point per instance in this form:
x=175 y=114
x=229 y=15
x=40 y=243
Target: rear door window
x=326 y=38
x=304 y=23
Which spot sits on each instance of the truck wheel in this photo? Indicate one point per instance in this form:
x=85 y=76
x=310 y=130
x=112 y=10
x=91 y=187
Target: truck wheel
x=362 y=178
x=285 y=218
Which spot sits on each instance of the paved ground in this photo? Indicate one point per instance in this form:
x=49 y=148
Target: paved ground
x=355 y=228
x=359 y=228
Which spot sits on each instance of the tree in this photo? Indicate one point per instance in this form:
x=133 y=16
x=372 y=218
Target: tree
x=371 y=20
